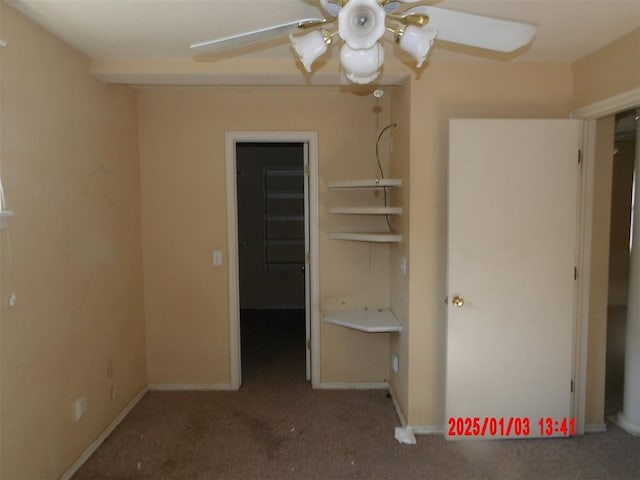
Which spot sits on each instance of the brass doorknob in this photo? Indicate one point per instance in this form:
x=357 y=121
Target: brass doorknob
x=458 y=301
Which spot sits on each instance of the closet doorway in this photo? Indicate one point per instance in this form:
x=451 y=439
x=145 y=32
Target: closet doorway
x=272 y=205
x=620 y=240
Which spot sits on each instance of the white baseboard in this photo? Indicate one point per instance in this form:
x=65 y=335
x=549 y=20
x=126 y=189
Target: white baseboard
x=197 y=387
x=595 y=428
x=626 y=424
x=352 y=386
x=71 y=471
x=429 y=430
x=396 y=405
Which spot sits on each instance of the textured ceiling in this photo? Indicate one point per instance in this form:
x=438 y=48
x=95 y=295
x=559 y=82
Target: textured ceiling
x=568 y=29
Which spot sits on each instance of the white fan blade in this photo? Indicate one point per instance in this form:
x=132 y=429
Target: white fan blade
x=256 y=36
x=477 y=30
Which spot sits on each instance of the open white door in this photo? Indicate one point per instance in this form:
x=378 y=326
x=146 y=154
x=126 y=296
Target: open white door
x=512 y=256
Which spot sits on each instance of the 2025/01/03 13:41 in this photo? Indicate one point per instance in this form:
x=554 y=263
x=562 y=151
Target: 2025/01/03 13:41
x=510 y=426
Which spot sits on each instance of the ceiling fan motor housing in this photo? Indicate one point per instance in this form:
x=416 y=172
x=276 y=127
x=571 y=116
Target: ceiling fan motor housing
x=361 y=23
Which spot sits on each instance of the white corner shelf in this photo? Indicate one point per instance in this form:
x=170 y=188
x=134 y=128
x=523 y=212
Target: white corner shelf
x=369 y=183
x=367 y=237
x=366 y=320
x=366 y=210
x=364 y=184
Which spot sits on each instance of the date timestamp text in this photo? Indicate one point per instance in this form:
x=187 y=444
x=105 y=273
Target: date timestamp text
x=510 y=427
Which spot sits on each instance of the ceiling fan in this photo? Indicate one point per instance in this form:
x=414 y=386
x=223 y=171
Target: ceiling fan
x=361 y=25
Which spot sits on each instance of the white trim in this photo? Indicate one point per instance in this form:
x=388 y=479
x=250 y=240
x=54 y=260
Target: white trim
x=584 y=276
x=428 y=430
x=314 y=246
x=609 y=106
x=626 y=424
x=196 y=387
x=235 y=373
x=425 y=430
x=91 y=449
x=307 y=266
x=590 y=114
x=231 y=138
x=352 y=386
x=595 y=428
x=396 y=404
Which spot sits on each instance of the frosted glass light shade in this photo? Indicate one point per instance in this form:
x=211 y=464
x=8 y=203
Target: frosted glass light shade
x=417 y=42
x=309 y=47
x=361 y=23
x=362 y=66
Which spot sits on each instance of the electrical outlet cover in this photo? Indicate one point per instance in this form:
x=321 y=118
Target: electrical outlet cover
x=80 y=408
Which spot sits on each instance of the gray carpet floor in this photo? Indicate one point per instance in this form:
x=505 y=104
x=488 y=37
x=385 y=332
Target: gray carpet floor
x=277 y=427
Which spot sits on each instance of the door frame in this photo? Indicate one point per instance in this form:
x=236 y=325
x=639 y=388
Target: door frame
x=311 y=140
x=590 y=114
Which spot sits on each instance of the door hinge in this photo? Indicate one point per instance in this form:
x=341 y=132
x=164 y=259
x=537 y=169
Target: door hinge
x=575 y=273
x=579 y=157
x=308 y=344
x=306 y=169
x=307 y=258
x=571 y=386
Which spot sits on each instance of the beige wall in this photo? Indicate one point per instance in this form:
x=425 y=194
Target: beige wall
x=515 y=90
x=399 y=284
x=182 y=134
x=445 y=91
x=182 y=152
x=607 y=72
x=69 y=165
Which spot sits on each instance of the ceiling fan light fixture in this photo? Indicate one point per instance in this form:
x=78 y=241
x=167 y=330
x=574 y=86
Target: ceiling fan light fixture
x=311 y=46
x=362 y=66
x=416 y=41
x=361 y=23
